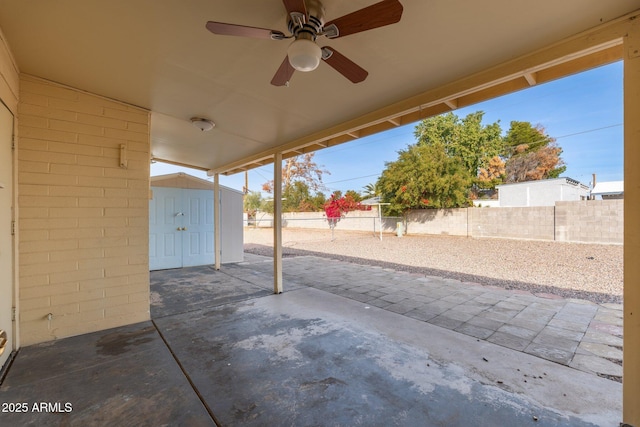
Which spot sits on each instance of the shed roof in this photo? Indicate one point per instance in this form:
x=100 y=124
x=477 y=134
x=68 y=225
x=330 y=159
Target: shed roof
x=183 y=180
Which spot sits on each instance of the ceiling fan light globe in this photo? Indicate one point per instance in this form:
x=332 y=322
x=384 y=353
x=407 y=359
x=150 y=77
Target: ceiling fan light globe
x=304 y=55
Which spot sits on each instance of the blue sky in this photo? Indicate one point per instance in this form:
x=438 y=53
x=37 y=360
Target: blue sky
x=583 y=112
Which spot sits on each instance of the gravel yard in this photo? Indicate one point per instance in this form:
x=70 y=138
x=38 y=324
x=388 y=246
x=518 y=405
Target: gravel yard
x=570 y=270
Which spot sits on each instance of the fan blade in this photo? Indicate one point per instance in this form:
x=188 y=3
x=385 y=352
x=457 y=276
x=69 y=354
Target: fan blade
x=295 y=6
x=344 y=65
x=284 y=73
x=223 y=29
x=378 y=15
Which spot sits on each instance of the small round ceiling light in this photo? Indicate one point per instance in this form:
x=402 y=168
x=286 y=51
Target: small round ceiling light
x=204 y=125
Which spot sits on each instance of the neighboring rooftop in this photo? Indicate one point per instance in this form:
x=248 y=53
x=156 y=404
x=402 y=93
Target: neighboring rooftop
x=377 y=200
x=609 y=189
x=552 y=181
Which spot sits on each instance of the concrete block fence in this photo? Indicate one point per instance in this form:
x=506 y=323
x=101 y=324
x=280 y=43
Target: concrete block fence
x=588 y=221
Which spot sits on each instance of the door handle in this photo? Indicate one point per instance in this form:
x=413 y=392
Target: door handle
x=182 y=228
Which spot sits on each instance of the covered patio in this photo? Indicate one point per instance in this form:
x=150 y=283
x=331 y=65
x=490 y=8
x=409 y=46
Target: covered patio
x=91 y=92
x=222 y=349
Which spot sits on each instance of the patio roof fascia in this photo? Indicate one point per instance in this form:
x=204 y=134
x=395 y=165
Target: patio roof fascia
x=595 y=47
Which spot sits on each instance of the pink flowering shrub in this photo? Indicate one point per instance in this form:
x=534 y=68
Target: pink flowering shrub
x=336 y=208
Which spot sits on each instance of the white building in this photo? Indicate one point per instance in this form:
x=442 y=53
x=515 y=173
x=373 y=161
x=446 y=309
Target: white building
x=545 y=192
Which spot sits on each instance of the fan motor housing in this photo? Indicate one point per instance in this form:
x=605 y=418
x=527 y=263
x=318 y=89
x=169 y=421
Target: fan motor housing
x=313 y=26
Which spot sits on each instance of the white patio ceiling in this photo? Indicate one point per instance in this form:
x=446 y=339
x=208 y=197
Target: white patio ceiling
x=159 y=55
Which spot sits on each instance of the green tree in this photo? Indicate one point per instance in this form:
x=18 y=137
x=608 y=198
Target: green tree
x=370 y=190
x=468 y=139
x=425 y=176
x=531 y=154
x=300 y=168
x=295 y=197
x=353 y=195
x=252 y=202
x=524 y=133
x=317 y=202
x=300 y=176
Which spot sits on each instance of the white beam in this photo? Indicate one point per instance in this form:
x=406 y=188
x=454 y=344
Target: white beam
x=396 y=121
x=277 y=223
x=355 y=134
x=217 y=246
x=451 y=103
x=531 y=79
x=171 y=162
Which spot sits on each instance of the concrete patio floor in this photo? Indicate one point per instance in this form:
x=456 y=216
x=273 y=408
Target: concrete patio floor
x=344 y=345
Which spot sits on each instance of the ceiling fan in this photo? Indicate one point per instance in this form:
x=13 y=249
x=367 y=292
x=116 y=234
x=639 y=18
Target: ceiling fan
x=306 y=23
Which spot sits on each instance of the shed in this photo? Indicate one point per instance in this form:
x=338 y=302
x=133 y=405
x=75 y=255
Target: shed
x=545 y=192
x=181 y=228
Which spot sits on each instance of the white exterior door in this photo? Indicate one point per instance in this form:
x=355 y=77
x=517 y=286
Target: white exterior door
x=165 y=223
x=197 y=248
x=180 y=228
x=6 y=239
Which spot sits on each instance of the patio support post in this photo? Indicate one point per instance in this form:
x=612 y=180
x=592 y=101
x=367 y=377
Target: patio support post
x=217 y=246
x=380 y=216
x=277 y=223
x=631 y=337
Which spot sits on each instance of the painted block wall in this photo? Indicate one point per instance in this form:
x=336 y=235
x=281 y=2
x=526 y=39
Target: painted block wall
x=593 y=221
x=355 y=220
x=531 y=223
x=83 y=220
x=451 y=222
